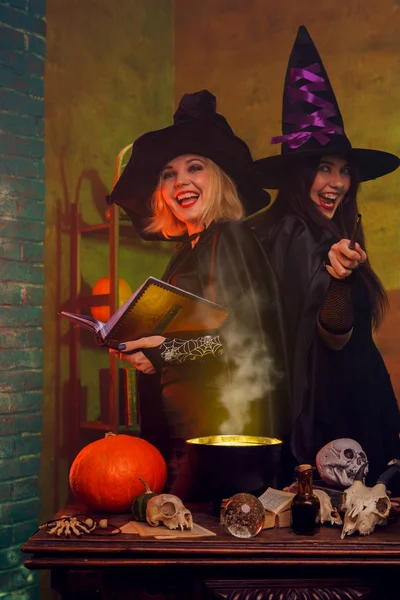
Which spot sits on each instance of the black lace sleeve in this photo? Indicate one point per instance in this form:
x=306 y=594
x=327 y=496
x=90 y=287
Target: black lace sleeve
x=337 y=314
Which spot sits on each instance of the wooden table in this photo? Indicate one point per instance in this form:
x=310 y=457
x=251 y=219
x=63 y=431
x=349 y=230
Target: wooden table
x=275 y=565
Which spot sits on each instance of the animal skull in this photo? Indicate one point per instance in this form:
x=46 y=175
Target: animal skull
x=328 y=513
x=367 y=507
x=170 y=511
x=339 y=461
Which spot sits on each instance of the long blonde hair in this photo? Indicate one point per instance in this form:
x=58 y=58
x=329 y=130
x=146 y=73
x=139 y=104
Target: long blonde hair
x=222 y=203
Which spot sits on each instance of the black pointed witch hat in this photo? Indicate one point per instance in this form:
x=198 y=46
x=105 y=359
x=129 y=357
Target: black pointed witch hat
x=197 y=129
x=312 y=123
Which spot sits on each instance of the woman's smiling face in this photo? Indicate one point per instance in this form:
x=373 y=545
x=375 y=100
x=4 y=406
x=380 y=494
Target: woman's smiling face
x=331 y=184
x=184 y=182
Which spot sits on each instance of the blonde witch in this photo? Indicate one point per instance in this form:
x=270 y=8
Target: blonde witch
x=222 y=203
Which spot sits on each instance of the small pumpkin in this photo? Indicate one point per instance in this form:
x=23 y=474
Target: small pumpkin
x=104 y=475
x=139 y=505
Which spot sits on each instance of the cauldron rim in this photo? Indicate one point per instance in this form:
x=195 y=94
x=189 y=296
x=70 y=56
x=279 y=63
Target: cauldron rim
x=224 y=439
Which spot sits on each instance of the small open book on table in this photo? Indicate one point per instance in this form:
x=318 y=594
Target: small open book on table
x=277 y=508
x=163 y=533
x=156 y=308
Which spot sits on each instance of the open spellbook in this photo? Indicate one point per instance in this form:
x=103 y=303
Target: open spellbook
x=156 y=308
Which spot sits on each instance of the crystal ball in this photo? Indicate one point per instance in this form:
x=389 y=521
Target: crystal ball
x=243 y=515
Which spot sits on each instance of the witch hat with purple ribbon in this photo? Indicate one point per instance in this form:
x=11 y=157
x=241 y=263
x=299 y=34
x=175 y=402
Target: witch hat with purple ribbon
x=312 y=123
x=197 y=129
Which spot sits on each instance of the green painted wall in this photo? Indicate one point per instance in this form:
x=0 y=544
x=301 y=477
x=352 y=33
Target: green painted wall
x=240 y=51
x=109 y=78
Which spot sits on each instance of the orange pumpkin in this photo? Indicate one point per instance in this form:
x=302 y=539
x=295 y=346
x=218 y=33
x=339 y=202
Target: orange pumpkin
x=104 y=475
x=102 y=286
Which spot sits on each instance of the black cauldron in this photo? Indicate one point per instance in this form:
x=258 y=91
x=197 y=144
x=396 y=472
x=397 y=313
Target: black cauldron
x=224 y=465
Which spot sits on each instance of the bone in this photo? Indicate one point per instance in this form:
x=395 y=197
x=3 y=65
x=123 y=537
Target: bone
x=328 y=514
x=366 y=507
x=394 y=467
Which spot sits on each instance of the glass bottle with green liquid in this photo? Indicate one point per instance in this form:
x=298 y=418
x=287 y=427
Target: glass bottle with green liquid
x=305 y=504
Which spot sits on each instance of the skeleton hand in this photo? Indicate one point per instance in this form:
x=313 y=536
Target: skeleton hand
x=66 y=525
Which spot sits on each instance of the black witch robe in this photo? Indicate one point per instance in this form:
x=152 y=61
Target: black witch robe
x=335 y=394
x=245 y=390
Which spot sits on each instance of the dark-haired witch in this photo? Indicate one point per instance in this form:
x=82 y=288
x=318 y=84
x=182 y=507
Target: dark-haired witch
x=190 y=183
x=332 y=297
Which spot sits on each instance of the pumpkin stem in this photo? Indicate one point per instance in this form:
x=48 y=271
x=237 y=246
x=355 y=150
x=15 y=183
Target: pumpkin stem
x=109 y=434
x=148 y=490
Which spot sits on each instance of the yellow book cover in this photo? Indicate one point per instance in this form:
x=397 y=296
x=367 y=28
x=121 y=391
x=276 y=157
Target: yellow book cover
x=156 y=308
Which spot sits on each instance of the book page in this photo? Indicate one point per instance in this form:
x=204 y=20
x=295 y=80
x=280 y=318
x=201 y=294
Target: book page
x=163 y=533
x=107 y=327
x=282 y=519
x=85 y=321
x=276 y=500
x=269 y=520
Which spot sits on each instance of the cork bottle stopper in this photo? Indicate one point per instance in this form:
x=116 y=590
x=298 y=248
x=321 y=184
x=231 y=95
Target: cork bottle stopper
x=302 y=468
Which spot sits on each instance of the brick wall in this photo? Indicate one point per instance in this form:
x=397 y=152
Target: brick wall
x=22 y=215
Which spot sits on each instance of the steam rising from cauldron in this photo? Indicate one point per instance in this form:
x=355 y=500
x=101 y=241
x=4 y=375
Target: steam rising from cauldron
x=252 y=378
x=253 y=373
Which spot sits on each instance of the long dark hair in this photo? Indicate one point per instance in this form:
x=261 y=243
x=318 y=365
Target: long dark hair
x=294 y=197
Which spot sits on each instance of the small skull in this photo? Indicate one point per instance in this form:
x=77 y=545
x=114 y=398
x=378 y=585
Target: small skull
x=328 y=514
x=339 y=461
x=169 y=510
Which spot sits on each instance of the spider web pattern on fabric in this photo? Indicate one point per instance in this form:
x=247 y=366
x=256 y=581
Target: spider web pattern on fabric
x=179 y=351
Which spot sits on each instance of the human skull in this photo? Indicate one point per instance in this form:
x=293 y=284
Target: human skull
x=328 y=513
x=169 y=510
x=339 y=461
x=364 y=508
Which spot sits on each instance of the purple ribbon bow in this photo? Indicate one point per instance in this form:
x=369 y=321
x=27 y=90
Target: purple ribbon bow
x=319 y=118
